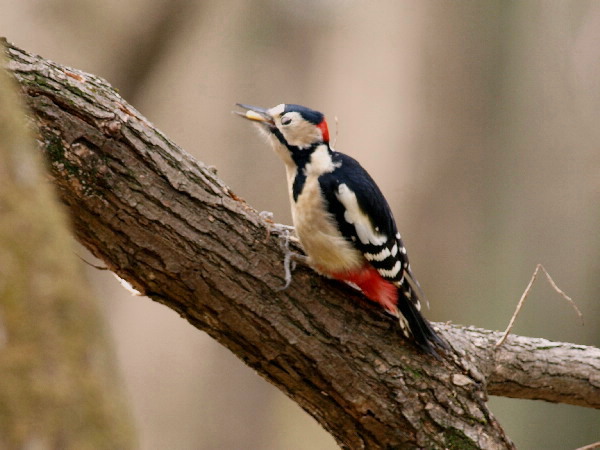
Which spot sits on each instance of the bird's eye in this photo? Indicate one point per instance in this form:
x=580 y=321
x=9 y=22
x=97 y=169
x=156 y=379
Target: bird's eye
x=286 y=120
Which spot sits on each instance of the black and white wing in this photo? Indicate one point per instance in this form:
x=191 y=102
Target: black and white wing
x=365 y=219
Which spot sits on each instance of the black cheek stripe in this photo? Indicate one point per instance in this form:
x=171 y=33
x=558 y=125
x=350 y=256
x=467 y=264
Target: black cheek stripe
x=298 y=184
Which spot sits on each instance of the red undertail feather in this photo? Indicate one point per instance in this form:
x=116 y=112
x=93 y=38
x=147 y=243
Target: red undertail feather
x=381 y=291
x=374 y=286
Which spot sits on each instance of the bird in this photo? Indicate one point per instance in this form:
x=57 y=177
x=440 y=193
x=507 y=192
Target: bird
x=342 y=220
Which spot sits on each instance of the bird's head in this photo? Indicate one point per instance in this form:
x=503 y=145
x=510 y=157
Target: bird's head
x=294 y=127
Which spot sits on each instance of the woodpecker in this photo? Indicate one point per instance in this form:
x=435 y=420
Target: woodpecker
x=342 y=219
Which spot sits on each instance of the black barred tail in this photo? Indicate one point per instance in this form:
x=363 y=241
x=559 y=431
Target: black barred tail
x=414 y=324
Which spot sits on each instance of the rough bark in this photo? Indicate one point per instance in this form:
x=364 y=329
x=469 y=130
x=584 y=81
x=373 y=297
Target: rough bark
x=533 y=368
x=165 y=223
x=58 y=384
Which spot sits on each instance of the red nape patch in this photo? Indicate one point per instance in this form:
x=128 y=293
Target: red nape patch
x=324 y=130
x=374 y=286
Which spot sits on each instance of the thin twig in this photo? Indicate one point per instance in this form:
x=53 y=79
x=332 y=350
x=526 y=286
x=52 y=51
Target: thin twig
x=565 y=296
x=126 y=284
x=90 y=264
x=518 y=309
x=590 y=446
x=335 y=119
x=524 y=297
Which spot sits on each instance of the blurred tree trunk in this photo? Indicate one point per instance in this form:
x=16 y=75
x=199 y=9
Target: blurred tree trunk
x=167 y=224
x=58 y=384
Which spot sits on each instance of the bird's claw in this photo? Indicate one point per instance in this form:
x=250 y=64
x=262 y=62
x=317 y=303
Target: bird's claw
x=289 y=259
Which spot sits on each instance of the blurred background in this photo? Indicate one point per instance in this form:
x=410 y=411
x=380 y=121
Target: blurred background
x=479 y=120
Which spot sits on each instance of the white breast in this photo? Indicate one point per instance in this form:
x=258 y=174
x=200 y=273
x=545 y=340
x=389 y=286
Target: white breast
x=328 y=251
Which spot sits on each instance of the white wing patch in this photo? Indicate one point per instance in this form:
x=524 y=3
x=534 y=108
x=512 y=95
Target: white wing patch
x=355 y=216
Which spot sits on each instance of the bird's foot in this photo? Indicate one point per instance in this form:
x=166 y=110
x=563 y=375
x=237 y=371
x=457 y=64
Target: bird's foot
x=290 y=258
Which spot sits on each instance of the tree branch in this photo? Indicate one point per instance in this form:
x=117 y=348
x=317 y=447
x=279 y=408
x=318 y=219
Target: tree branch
x=165 y=223
x=533 y=368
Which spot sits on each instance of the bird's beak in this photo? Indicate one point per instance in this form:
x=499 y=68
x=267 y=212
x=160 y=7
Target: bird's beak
x=255 y=113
